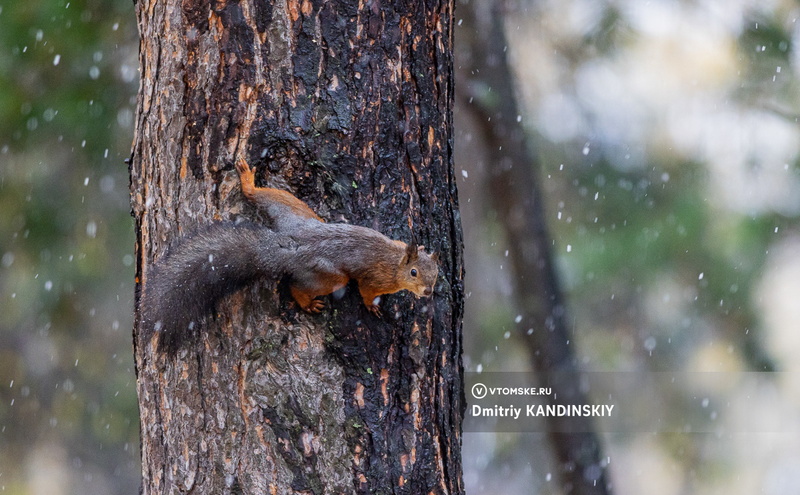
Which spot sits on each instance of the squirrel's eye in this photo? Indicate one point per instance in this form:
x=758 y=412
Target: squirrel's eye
x=413 y=272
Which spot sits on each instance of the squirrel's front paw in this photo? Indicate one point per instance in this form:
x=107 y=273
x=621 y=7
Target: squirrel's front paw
x=375 y=309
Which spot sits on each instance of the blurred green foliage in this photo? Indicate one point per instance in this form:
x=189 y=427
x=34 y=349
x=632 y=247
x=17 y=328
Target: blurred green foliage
x=665 y=142
x=68 y=409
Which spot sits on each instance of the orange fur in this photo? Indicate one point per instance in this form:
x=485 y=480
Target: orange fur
x=379 y=265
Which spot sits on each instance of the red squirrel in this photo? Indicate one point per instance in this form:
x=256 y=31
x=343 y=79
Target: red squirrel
x=319 y=258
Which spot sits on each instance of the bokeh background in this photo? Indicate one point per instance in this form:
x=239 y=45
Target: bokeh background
x=666 y=136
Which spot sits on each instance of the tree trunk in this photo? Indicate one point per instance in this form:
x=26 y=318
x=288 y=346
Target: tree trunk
x=515 y=195
x=347 y=105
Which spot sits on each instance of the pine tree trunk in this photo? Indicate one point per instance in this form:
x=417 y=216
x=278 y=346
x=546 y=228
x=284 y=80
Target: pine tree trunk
x=347 y=105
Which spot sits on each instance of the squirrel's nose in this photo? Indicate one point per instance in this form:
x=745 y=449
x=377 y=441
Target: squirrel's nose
x=428 y=291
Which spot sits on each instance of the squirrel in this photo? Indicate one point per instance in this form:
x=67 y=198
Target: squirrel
x=319 y=258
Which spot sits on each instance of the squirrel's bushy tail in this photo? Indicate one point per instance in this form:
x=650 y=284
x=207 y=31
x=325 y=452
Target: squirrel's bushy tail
x=185 y=284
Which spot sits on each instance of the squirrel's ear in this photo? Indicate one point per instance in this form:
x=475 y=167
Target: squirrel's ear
x=412 y=252
x=435 y=257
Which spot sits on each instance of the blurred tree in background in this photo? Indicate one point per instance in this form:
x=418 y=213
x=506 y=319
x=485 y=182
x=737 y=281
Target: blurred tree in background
x=668 y=137
x=667 y=133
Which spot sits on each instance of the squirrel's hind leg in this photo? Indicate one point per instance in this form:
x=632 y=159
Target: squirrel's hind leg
x=278 y=204
x=305 y=290
x=306 y=301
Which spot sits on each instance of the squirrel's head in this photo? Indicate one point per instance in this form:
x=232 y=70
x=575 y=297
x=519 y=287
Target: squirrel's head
x=418 y=270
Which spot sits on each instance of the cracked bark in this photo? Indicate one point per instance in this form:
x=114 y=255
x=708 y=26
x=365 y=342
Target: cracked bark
x=347 y=105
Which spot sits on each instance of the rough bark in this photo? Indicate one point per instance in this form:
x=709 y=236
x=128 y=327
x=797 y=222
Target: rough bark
x=516 y=197
x=348 y=105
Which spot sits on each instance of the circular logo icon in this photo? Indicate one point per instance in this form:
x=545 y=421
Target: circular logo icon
x=479 y=390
